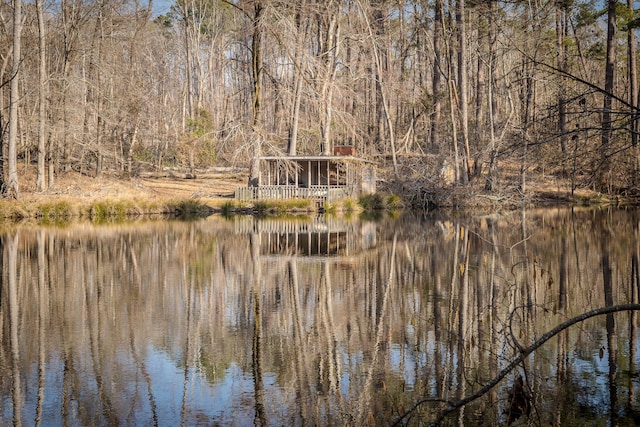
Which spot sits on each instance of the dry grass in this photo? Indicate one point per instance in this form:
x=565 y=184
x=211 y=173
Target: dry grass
x=79 y=195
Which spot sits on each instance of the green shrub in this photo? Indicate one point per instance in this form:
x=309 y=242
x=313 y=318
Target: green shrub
x=101 y=212
x=330 y=208
x=228 y=208
x=190 y=208
x=393 y=202
x=349 y=205
x=371 y=202
x=377 y=202
x=54 y=211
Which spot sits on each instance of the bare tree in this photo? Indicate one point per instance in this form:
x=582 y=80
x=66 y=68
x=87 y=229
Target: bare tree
x=11 y=188
x=462 y=87
x=328 y=52
x=300 y=31
x=438 y=29
x=42 y=99
x=257 y=70
x=633 y=92
x=561 y=33
x=607 y=126
x=383 y=91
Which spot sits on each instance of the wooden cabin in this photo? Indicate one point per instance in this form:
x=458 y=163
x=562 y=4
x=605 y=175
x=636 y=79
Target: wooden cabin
x=318 y=177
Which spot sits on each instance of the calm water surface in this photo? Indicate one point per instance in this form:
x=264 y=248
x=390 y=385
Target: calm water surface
x=250 y=321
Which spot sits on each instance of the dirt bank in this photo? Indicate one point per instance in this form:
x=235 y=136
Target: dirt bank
x=213 y=186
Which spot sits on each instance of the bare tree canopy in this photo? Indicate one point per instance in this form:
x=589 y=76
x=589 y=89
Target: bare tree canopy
x=423 y=88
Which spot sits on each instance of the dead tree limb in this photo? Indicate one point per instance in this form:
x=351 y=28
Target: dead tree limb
x=524 y=352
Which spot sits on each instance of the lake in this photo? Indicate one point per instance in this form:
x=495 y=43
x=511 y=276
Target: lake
x=323 y=321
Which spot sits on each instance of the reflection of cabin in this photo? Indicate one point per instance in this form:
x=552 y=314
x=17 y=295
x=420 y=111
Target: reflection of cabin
x=321 y=237
x=318 y=177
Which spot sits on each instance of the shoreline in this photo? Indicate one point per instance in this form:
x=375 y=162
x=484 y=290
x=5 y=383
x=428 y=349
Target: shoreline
x=211 y=192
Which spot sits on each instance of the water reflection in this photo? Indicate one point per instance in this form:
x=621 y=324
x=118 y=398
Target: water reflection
x=320 y=322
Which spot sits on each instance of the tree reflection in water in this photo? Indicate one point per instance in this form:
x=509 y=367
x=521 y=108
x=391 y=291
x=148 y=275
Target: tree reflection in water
x=321 y=321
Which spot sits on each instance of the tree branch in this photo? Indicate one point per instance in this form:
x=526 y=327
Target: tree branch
x=524 y=352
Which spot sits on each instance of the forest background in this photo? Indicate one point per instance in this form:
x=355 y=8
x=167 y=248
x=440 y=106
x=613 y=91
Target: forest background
x=448 y=97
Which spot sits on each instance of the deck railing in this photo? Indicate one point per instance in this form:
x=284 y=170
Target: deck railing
x=318 y=192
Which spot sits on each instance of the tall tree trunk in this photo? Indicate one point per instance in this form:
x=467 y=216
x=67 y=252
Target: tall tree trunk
x=381 y=86
x=93 y=98
x=3 y=128
x=331 y=45
x=63 y=157
x=462 y=88
x=481 y=85
x=292 y=149
x=11 y=186
x=256 y=70
x=438 y=29
x=562 y=66
x=142 y=17
x=633 y=96
x=42 y=99
x=604 y=167
x=492 y=175
x=188 y=48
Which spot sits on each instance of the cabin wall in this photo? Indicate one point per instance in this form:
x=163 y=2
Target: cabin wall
x=331 y=179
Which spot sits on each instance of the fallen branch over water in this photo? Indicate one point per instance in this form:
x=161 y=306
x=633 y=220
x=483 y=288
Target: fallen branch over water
x=524 y=352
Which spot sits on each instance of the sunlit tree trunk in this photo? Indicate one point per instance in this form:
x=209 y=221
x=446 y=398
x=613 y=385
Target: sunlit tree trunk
x=329 y=53
x=10 y=188
x=257 y=72
x=383 y=92
x=42 y=99
x=188 y=49
x=481 y=85
x=92 y=122
x=492 y=175
x=457 y=164
x=437 y=73
x=462 y=88
x=62 y=156
x=292 y=149
x=142 y=19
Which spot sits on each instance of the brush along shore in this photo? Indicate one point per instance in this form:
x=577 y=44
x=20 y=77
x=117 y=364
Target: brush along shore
x=173 y=194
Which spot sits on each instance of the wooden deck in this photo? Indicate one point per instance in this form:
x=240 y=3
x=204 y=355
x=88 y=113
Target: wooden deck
x=317 y=192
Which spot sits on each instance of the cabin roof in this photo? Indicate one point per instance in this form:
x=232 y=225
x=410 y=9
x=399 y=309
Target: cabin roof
x=315 y=158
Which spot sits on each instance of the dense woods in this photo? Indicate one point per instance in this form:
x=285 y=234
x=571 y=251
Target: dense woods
x=492 y=92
